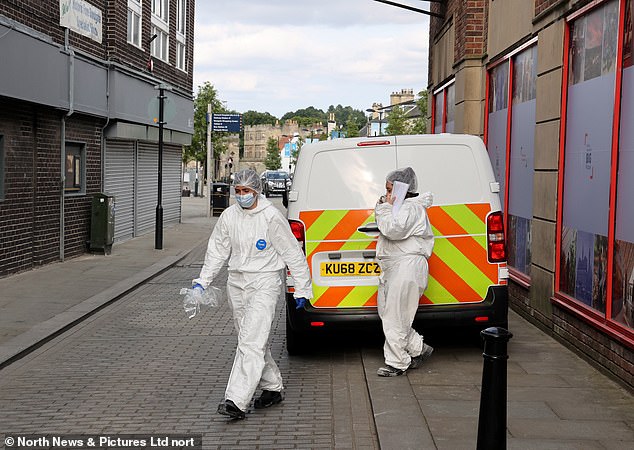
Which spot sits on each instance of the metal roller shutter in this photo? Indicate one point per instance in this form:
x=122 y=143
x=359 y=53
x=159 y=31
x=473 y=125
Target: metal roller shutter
x=147 y=185
x=172 y=167
x=119 y=181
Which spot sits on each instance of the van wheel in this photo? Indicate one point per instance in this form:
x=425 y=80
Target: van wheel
x=293 y=340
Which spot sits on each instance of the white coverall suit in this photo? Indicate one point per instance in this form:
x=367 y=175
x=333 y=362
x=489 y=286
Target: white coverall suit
x=405 y=243
x=259 y=244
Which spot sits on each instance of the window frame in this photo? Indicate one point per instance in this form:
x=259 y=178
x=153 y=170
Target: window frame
x=442 y=90
x=600 y=320
x=135 y=8
x=521 y=278
x=78 y=151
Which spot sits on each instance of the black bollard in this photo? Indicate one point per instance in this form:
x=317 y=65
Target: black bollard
x=492 y=421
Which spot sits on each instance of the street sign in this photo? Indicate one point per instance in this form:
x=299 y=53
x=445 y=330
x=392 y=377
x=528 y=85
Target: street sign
x=226 y=122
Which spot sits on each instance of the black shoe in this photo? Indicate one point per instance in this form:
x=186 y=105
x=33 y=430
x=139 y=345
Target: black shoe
x=389 y=371
x=417 y=361
x=228 y=408
x=268 y=398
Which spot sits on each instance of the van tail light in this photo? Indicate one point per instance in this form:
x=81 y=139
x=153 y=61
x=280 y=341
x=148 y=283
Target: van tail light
x=496 y=245
x=298 y=231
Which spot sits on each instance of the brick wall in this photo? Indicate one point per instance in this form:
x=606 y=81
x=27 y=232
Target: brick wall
x=29 y=212
x=544 y=5
x=608 y=355
x=43 y=16
x=470 y=19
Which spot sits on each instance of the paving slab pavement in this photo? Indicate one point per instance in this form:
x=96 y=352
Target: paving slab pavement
x=556 y=400
x=40 y=303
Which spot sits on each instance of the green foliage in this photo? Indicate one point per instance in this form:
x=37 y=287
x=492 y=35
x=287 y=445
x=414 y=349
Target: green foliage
x=273 y=159
x=257 y=118
x=307 y=116
x=197 y=151
x=397 y=122
x=352 y=128
x=344 y=115
x=420 y=124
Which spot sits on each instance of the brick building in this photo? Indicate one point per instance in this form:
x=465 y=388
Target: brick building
x=549 y=85
x=78 y=115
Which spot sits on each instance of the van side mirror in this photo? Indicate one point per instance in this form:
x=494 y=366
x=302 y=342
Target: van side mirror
x=285 y=198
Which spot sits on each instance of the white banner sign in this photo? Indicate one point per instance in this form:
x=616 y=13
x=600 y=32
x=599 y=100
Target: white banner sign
x=81 y=17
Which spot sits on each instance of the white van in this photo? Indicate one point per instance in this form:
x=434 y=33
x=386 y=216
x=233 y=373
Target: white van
x=331 y=212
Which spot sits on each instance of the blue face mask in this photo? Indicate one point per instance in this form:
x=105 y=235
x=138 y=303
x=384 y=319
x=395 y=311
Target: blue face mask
x=246 y=200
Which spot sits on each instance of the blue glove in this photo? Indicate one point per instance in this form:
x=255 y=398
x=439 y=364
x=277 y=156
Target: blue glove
x=198 y=286
x=300 y=302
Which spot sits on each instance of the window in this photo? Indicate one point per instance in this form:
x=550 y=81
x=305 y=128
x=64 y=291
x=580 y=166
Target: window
x=181 y=17
x=1 y=167
x=181 y=52
x=622 y=307
x=160 y=45
x=75 y=169
x=510 y=139
x=160 y=9
x=521 y=159
x=497 y=121
x=595 y=241
x=160 y=28
x=587 y=156
x=444 y=106
x=134 y=22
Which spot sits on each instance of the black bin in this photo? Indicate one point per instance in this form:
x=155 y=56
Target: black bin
x=102 y=223
x=219 y=198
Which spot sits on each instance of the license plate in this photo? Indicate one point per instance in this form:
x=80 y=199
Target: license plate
x=349 y=269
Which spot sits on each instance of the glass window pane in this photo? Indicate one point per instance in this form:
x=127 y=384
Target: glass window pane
x=590 y=113
x=521 y=165
x=497 y=123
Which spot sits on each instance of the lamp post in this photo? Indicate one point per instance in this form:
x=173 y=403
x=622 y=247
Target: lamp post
x=380 y=112
x=158 y=229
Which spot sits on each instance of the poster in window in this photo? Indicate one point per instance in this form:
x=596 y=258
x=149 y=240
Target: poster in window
x=628 y=45
x=610 y=37
x=451 y=99
x=594 y=44
x=577 y=50
x=567 y=271
x=438 y=112
x=623 y=270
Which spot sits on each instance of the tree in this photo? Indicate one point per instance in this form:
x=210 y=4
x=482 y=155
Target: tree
x=420 y=123
x=258 y=118
x=273 y=159
x=352 y=129
x=197 y=151
x=397 y=122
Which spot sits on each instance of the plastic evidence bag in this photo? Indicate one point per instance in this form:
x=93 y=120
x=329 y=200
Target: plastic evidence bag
x=196 y=300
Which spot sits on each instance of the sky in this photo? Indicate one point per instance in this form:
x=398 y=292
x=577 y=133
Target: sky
x=278 y=56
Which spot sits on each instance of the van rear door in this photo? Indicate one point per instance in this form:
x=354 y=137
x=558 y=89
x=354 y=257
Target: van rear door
x=455 y=170
x=343 y=187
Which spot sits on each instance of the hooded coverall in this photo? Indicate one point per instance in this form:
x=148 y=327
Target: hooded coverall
x=259 y=244
x=404 y=245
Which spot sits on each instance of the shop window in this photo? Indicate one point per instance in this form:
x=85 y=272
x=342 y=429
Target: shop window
x=587 y=156
x=622 y=307
x=443 y=109
x=75 y=179
x=521 y=160
x=497 y=122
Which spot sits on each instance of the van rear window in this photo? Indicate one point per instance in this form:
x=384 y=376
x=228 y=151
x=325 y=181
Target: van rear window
x=349 y=178
x=450 y=171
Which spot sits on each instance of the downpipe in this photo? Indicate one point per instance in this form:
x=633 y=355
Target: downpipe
x=71 y=105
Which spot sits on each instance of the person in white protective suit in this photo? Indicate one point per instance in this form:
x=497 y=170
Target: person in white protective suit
x=405 y=243
x=257 y=240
